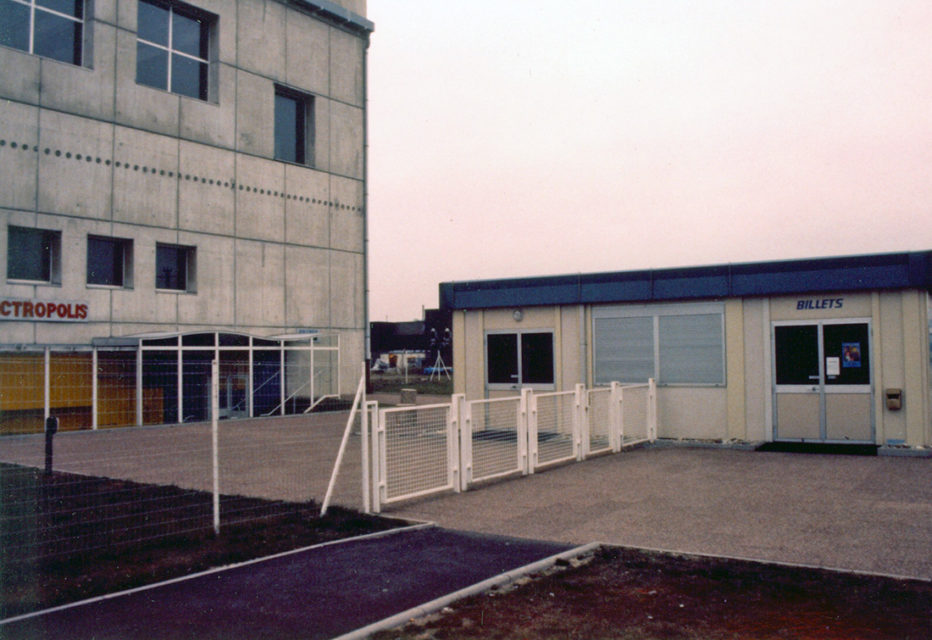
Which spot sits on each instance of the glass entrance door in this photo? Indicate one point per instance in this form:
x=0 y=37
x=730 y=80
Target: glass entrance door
x=822 y=382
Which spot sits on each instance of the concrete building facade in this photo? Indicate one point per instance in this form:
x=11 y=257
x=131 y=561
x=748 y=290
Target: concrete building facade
x=183 y=167
x=831 y=350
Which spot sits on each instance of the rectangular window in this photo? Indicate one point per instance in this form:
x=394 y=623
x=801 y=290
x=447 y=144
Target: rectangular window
x=175 y=267
x=33 y=255
x=293 y=117
x=50 y=28
x=109 y=261
x=172 y=48
x=519 y=359
x=677 y=344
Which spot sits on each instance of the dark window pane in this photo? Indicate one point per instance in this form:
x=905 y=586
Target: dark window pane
x=105 y=261
x=72 y=8
x=189 y=77
x=14 y=25
x=537 y=358
x=502 y=358
x=57 y=38
x=170 y=267
x=152 y=23
x=797 y=354
x=29 y=254
x=151 y=66
x=286 y=119
x=848 y=343
x=189 y=35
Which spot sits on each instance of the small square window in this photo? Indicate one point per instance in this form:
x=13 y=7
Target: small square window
x=34 y=255
x=293 y=126
x=50 y=28
x=172 y=48
x=109 y=261
x=175 y=267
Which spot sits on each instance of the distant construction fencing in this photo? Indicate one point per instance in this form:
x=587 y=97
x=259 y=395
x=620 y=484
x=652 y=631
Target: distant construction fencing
x=423 y=450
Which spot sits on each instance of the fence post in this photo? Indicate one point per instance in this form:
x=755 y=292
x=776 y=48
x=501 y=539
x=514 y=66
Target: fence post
x=465 y=443
x=533 y=446
x=214 y=412
x=364 y=452
x=377 y=461
x=524 y=410
x=579 y=422
x=453 y=441
x=615 y=417
x=652 y=409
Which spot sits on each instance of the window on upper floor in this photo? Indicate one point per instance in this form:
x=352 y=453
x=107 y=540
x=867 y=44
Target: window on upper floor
x=33 y=255
x=293 y=126
x=109 y=261
x=173 y=48
x=175 y=268
x=50 y=28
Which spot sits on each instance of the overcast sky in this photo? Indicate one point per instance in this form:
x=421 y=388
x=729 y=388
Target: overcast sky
x=538 y=137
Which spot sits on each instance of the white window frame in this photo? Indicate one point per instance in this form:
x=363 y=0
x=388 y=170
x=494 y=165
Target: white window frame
x=655 y=312
x=519 y=384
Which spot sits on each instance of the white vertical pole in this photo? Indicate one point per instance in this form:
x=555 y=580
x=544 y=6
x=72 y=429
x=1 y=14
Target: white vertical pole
x=47 y=383
x=139 y=384
x=652 y=409
x=311 y=357
x=377 y=428
x=364 y=448
x=179 y=374
x=579 y=421
x=615 y=417
x=94 y=416
x=281 y=378
x=522 y=429
x=215 y=458
x=453 y=441
x=358 y=402
x=250 y=407
x=465 y=443
x=533 y=452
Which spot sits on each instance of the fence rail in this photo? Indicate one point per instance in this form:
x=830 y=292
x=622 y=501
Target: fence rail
x=423 y=450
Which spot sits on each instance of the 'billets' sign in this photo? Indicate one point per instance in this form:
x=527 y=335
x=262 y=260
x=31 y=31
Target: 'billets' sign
x=43 y=310
x=820 y=303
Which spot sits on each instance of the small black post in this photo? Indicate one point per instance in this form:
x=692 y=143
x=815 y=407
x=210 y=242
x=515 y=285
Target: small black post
x=51 y=428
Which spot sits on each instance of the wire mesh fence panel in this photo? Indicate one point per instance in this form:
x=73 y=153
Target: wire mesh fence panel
x=634 y=410
x=116 y=388
x=417 y=450
x=555 y=427
x=495 y=433
x=599 y=419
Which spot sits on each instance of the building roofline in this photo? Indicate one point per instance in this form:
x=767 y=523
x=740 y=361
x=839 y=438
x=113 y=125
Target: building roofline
x=337 y=14
x=903 y=270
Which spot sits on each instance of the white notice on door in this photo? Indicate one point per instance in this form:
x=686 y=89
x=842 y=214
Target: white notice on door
x=832 y=366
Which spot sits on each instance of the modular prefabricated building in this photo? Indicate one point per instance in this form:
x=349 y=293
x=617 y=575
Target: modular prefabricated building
x=825 y=350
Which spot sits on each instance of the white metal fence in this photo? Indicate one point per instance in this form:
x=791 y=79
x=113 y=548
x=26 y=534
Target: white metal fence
x=422 y=450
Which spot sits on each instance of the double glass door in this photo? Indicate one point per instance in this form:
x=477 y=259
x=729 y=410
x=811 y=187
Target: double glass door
x=822 y=382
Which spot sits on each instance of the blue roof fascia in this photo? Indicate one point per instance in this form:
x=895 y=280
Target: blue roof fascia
x=852 y=273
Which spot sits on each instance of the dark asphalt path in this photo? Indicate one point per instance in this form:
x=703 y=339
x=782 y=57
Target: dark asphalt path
x=318 y=593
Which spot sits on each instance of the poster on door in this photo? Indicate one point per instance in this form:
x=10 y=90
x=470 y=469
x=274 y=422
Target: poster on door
x=850 y=355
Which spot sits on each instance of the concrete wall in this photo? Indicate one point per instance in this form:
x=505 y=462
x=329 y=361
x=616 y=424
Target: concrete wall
x=280 y=246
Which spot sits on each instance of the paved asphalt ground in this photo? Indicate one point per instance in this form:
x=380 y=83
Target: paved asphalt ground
x=322 y=592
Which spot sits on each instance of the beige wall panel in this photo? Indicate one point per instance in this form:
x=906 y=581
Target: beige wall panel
x=346 y=216
x=127 y=14
x=82 y=90
x=18 y=124
x=848 y=416
x=213 y=302
x=734 y=368
x=145 y=187
x=352 y=348
x=347 y=287
x=18 y=332
x=692 y=412
x=915 y=332
x=260 y=284
x=139 y=106
x=347 y=55
x=307 y=279
x=475 y=355
x=458 y=346
x=67 y=332
x=71 y=180
x=346 y=137
x=19 y=77
x=106 y=10
x=212 y=122
x=308 y=53
x=205 y=202
x=532 y=318
x=142 y=304
x=260 y=209
x=255 y=114
x=307 y=218
x=756 y=374
x=261 y=36
x=853 y=305
x=889 y=333
x=322 y=133
x=569 y=348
